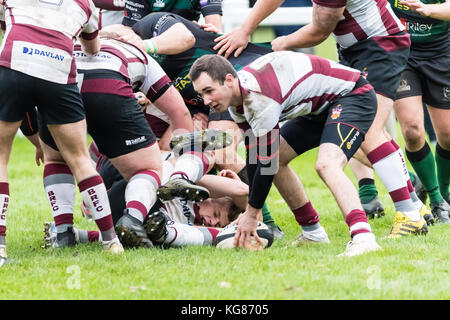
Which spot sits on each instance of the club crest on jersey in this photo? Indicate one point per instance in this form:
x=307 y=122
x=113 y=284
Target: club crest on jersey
x=365 y=73
x=159 y=4
x=336 y=112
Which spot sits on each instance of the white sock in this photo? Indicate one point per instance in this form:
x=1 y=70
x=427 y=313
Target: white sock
x=190 y=165
x=413 y=215
x=140 y=193
x=181 y=235
x=365 y=236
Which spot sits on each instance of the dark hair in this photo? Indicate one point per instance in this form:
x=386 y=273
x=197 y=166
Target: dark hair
x=215 y=66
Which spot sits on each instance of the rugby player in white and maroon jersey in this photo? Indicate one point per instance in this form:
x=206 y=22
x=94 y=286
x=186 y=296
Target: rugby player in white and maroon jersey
x=36 y=62
x=107 y=80
x=371 y=39
x=328 y=105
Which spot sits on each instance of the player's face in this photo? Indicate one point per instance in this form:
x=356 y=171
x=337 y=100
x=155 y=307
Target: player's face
x=213 y=214
x=216 y=95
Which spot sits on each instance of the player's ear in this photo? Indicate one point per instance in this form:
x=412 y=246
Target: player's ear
x=229 y=79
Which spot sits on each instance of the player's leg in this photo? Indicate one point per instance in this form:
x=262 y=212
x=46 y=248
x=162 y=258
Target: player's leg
x=390 y=166
x=410 y=116
x=330 y=164
x=384 y=75
x=60 y=188
x=167 y=233
x=71 y=141
x=61 y=109
x=423 y=82
x=441 y=123
x=142 y=169
x=13 y=108
x=126 y=139
x=80 y=235
x=288 y=183
x=368 y=193
x=189 y=167
x=8 y=131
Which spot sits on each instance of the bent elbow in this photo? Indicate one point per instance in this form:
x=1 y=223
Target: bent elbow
x=189 y=40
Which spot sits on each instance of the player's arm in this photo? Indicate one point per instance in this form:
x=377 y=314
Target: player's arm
x=236 y=41
x=212 y=13
x=164 y=141
x=323 y=23
x=226 y=184
x=90 y=46
x=172 y=104
x=29 y=128
x=440 y=11
x=262 y=164
x=88 y=38
x=174 y=40
x=214 y=20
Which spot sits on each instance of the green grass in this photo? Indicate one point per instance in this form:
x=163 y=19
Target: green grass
x=409 y=268
x=326 y=49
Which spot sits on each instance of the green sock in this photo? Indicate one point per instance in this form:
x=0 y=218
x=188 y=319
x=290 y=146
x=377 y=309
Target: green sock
x=423 y=163
x=267 y=218
x=367 y=190
x=443 y=170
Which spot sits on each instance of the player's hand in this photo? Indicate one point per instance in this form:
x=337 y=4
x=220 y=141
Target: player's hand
x=418 y=6
x=247 y=224
x=209 y=27
x=133 y=39
x=279 y=44
x=200 y=121
x=227 y=173
x=236 y=40
x=143 y=101
x=39 y=156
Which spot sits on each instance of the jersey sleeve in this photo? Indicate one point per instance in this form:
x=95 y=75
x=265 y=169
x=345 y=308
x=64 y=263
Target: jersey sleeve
x=261 y=163
x=154 y=24
x=331 y=4
x=261 y=112
x=156 y=81
x=210 y=7
x=90 y=29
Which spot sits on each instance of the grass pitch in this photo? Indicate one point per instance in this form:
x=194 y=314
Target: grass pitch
x=411 y=268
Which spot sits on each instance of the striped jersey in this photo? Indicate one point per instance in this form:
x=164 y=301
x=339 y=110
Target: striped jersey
x=40 y=34
x=284 y=85
x=363 y=19
x=141 y=71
